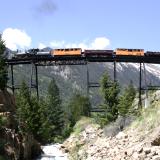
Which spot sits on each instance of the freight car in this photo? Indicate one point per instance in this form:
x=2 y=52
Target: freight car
x=129 y=52
x=152 y=54
x=98 y=53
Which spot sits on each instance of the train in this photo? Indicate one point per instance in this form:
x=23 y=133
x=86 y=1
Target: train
x=77 y=52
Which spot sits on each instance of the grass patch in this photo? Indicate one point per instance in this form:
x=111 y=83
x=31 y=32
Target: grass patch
x=82 y=124
x=149 y=118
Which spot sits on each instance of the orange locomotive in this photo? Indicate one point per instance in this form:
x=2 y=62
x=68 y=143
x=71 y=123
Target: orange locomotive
x=67 y=52
x=129 y=52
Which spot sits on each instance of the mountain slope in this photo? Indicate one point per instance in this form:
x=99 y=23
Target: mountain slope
x=139 y=141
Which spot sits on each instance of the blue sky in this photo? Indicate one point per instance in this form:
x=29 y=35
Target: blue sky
x=97 y=24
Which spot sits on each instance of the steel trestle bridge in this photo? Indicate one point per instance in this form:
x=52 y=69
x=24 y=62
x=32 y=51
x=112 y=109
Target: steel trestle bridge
x=79 y=60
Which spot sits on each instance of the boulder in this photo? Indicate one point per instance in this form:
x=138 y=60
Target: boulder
x=155 y=139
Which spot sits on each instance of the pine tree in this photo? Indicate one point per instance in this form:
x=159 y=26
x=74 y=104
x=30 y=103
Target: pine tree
x=3 y=66
x=78 y=106
x=110 y=91
x=55 y=111
x=31 y=115
x=126 y=100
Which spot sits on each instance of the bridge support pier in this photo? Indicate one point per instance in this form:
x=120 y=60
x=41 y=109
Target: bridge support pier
x=12 y=79
x=90 y=84
x=115 y=74
x=37 y=89
x=87 y=80
x=34 y=84
x=140 y=85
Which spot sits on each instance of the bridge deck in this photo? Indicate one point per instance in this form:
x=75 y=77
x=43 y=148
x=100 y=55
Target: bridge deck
x=83 y=60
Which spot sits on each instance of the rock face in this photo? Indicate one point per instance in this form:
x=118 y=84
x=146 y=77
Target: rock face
x=16 y=146
x=7 y=102
x=93 y=144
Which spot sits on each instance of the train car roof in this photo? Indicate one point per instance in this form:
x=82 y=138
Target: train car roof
x=129 y=49
x=67 y=49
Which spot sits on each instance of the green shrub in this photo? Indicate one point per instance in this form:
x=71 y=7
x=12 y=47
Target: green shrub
x=126 y=100
x=78 y=106
x=110 y=92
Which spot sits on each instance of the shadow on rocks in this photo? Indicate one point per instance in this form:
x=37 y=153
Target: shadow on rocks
x=119 y=125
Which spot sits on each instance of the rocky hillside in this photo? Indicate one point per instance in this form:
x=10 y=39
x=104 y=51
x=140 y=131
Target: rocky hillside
x=13 y=144
x=138 y=141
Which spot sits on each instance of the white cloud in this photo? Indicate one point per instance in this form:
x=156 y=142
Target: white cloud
x=97 y=43
x=100 y=43
x=41 y=46
x=16 y=38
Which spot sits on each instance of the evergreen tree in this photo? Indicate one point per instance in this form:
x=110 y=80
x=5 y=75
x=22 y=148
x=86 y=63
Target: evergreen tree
x=79 y=106
x=110 y=91
x=55 y=111
x=3 y=66
x=126 y=100
x=31 y=115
